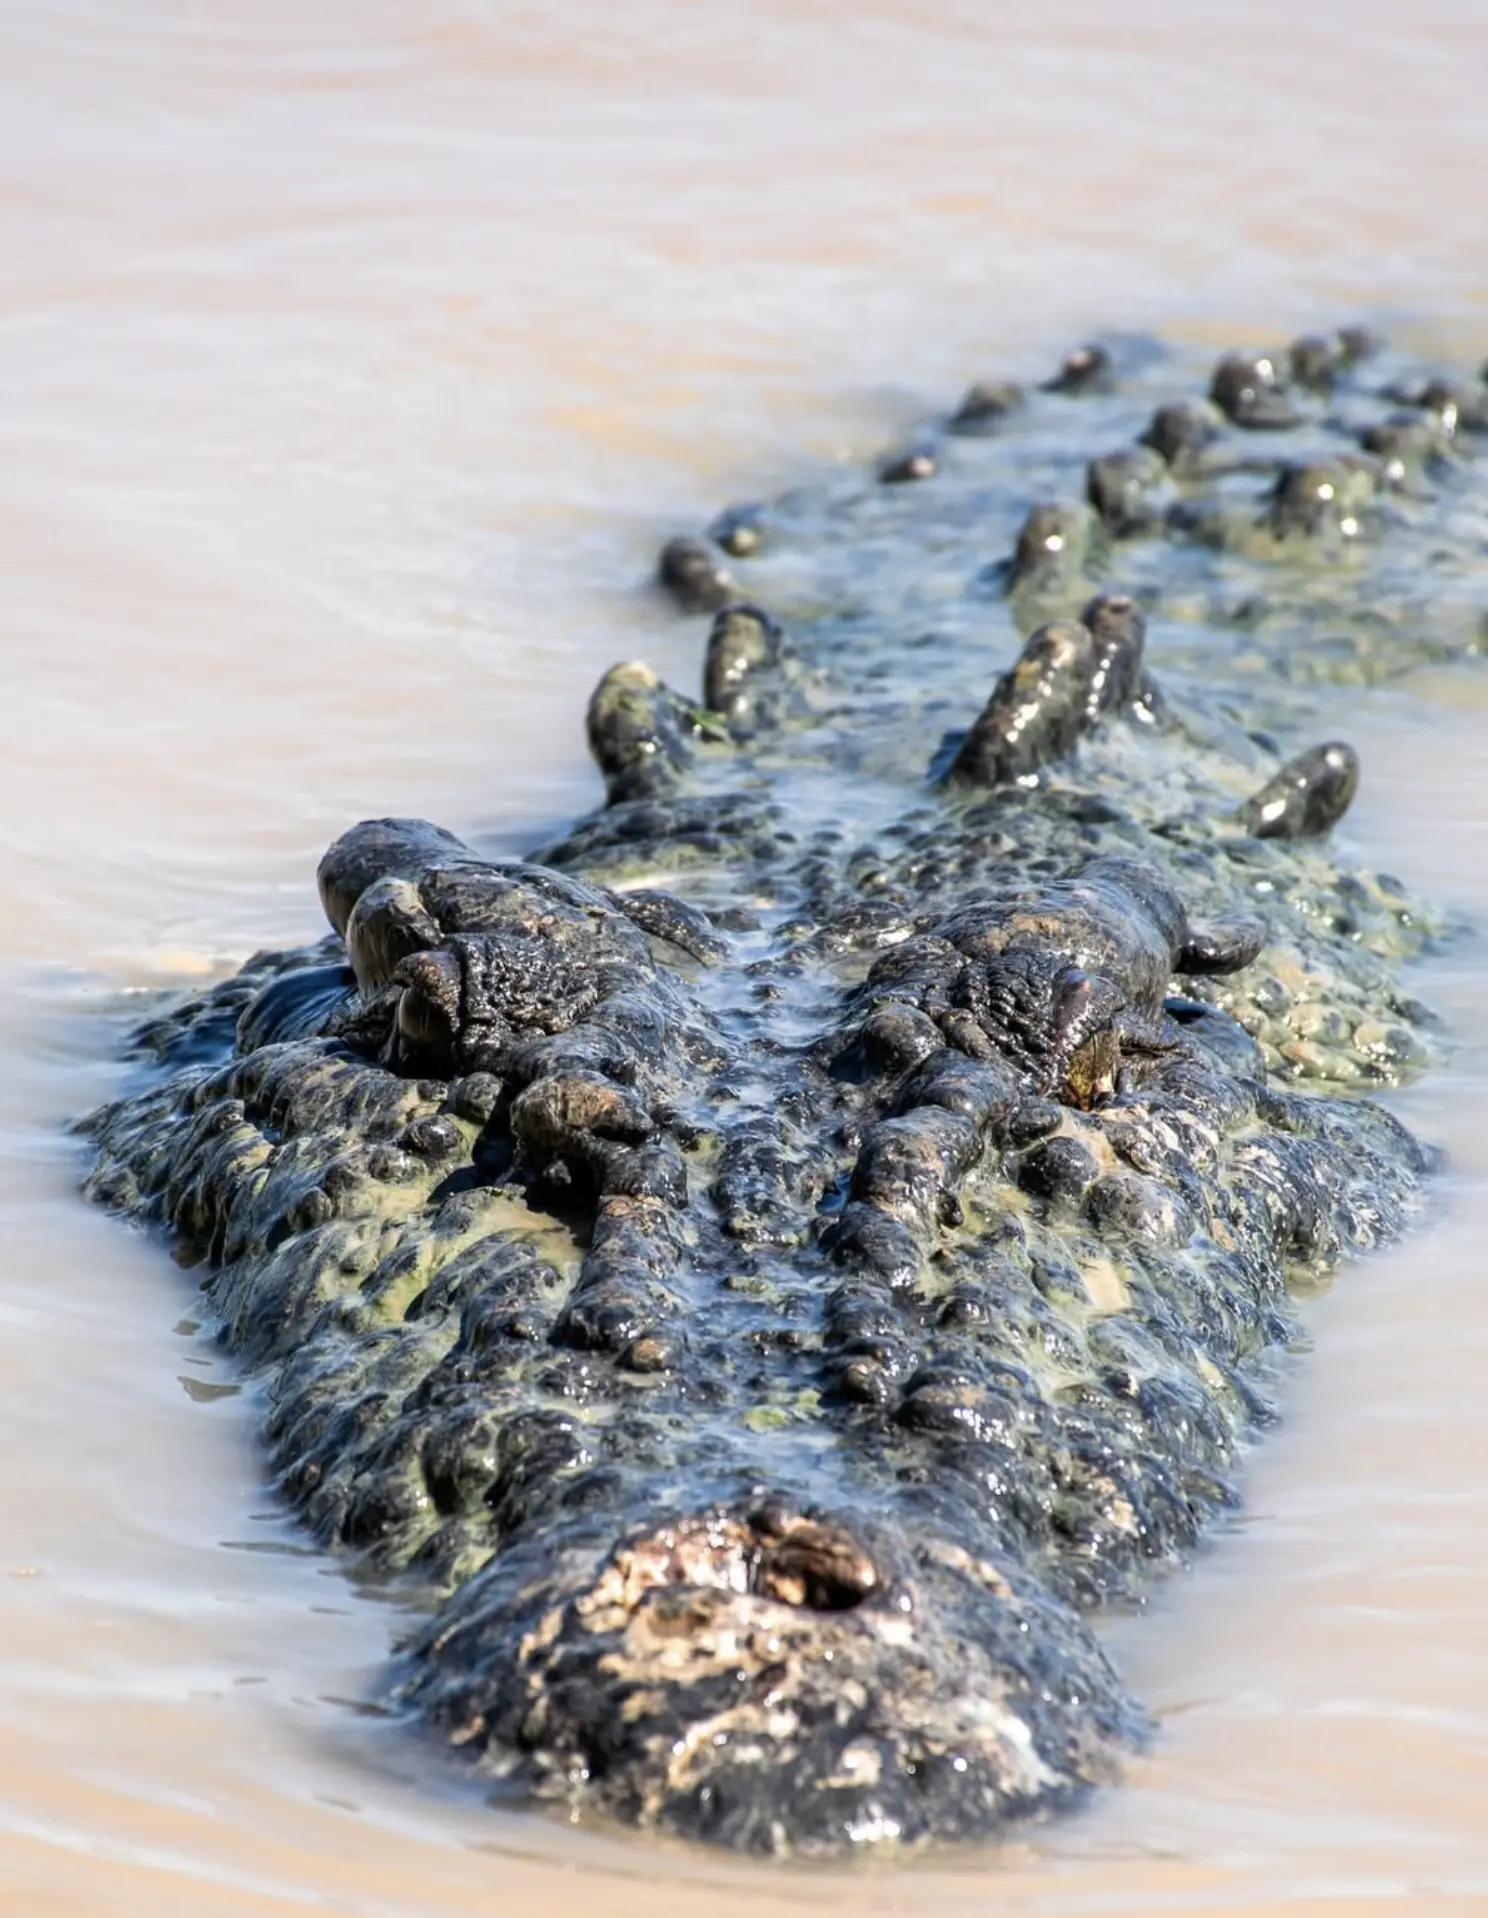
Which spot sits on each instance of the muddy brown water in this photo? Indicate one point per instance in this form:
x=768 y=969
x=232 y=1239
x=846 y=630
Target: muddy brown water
x=352 y=360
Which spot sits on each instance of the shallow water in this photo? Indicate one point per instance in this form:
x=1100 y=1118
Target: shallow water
x=350 y=367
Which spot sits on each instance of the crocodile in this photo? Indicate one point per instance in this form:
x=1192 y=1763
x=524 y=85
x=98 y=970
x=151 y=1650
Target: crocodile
x=762 y=1275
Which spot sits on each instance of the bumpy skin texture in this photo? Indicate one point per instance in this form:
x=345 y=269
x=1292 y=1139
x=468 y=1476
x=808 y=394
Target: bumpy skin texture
x=766 y=1272
x=1069 y=675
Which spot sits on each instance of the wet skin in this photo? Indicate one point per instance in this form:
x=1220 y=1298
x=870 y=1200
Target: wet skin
x=763 y=1273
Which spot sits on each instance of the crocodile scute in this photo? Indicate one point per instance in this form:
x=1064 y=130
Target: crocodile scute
x=763 y=1274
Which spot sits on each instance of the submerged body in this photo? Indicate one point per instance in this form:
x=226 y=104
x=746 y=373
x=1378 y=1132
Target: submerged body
x=766 y=1271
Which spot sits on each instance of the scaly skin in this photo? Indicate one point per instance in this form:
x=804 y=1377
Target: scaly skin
x=767 y=1271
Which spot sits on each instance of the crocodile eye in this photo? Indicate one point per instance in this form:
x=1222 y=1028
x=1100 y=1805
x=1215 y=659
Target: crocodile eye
x=1074 y=998
x=429 y=1008
x=1090 y=1076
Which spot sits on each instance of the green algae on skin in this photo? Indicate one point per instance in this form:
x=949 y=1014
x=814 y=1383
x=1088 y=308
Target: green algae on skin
x=766 y=1272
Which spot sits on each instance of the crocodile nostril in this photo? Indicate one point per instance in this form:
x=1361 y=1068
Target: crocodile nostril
x=820 y=1566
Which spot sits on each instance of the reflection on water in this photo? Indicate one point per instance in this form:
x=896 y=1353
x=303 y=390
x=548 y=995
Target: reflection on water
x=350 y=367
